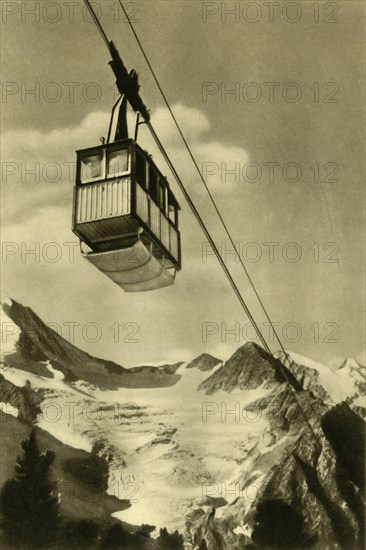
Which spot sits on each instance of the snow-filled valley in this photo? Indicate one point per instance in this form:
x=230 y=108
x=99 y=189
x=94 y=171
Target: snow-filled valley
x=201 y=435
x=162 y=443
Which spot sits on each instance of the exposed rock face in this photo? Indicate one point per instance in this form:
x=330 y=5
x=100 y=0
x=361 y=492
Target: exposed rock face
x=164 y=436
x=306 y=470
x=204 y=362
x=361 y=411
x=293 y=470
x=357 y=371
x=38 y=344
x=248 y=368
x=327 y=384
x=313 y=481
x=306 y=376
x=24 y=399
x=345 y=431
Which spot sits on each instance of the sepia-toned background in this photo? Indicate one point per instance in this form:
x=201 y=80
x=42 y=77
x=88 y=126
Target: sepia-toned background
x=270 y=96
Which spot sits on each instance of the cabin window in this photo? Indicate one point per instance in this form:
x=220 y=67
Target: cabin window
x=172 y=209
x=117 y=162
x=140 y=169
x=162 y=195
x=91 y=168
x=153 y=185
x=173 y=214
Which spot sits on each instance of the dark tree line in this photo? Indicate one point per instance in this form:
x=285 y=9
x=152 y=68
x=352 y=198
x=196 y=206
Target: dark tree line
x=29 y=503
x=31 y=517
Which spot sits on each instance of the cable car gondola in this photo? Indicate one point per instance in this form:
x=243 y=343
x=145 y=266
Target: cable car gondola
x=142 y=204
x=125 y=214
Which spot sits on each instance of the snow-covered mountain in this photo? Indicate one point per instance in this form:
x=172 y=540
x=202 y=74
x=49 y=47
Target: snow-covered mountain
x=30 y=344
x=346 y=383
x=229 y=453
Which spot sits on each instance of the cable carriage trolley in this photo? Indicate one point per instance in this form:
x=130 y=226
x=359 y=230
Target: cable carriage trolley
x=124 y=213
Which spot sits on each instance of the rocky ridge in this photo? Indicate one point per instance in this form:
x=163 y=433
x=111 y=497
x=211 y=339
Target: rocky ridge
x=291 y=477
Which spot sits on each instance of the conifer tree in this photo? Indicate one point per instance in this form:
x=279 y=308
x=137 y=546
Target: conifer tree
x=29 y=503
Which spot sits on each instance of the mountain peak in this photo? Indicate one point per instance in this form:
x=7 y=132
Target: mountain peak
x=37 y=343
x=248 y=368
x=350 y=363
x=253 y=349
x=204 y=362
x=40 y=350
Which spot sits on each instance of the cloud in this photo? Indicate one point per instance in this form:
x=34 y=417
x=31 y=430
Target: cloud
x=38 y=168
x=37 y=217
x=220 y=164
x=56 y=145
x=37 y=210
x=194 y=124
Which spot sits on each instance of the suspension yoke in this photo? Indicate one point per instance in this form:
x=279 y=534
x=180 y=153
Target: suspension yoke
x=127 y=82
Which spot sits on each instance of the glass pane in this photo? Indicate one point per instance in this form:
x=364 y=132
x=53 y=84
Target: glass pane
x=91 y=168
x=162 y=196
x=153 y=184
x=172 y=208
x=117 y=162
x=141 y=170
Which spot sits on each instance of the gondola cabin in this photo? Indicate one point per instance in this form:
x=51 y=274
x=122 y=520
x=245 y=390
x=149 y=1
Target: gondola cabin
x=126 y=216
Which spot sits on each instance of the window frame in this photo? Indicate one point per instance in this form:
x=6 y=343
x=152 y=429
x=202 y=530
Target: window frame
x=153 y=197
x=172 y=209
x=163 y=192
x=91 y=153
x=103 y=150
x=115 y=148
x=139 y=154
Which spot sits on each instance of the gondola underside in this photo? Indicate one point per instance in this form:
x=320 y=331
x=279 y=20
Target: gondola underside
x=134 y=269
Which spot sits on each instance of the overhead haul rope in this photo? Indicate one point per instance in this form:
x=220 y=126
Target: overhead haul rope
x=207 y=234
x=232 y=282
x=188 y=199
x=205 y=184
x=198 y=217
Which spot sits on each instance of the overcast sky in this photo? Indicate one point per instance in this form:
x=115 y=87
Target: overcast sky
x=272 y=92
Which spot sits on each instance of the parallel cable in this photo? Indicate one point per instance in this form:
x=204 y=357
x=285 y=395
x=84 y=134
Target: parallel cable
x=232 y=282
x=201 y=222
x=97 y=22
x=204 y=182
x=222 y=263
x=187 y=197
x=207 y=234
